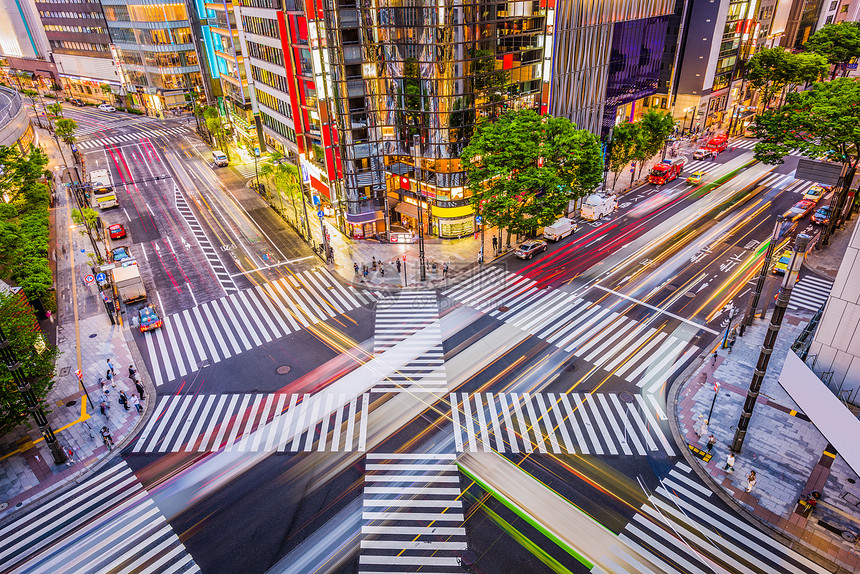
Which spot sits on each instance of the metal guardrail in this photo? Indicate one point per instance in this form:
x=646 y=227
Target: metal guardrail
x=11 y=103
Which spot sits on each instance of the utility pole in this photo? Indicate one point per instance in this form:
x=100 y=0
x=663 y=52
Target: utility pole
x=800 y=245
x=837 y=205
x=748 y=319
x=29 y=398
x=416 y=150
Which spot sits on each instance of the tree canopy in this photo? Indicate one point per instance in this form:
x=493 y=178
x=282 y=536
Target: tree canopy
x=772 y=69
x=626 y=141
x=524 y=168
x=823 y=121
x=839 y=43
x=65 y=130
x=21 y=329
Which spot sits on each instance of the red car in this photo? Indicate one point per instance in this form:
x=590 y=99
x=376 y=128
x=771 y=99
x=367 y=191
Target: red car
x=117 y=231
x=801 y=209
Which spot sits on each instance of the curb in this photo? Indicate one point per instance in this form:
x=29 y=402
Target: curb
x=769 y=529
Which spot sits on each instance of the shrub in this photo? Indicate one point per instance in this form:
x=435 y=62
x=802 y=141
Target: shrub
x=134 y=111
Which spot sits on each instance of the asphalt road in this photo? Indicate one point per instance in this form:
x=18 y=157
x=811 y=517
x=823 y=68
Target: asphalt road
x=516 y=421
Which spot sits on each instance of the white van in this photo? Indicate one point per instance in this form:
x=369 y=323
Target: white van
x=596 y=206
x=220 y=158
x=559 y=230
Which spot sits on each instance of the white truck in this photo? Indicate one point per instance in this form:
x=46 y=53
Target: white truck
x=102 y=193
x=559 y=230
x=598 y=205
x=129 y=284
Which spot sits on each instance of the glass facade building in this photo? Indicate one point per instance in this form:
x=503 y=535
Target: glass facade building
x=155 y=51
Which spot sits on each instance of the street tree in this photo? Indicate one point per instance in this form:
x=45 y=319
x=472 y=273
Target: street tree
x=215 y=125
x=108 y=91
x=55 y=110
x=285 y=177
x=626 y=139
x=33 y=95
x=839 y=43
x=524 y=168
x=768 y=70
x=822 y=122
x=65 y=129
x=654 y=128
x=35 y=355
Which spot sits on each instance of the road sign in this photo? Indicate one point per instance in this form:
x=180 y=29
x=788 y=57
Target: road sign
x=716 y=386
x=479 y=220
x=320 y=213
x=74 y=147
x=88 y=279
x=101 y=277
x=404 y=258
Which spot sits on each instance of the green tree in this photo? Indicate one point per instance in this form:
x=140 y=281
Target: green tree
x=215 y=125
x=55 y=110
x=65 y=129
x=768 y=71
x=839 y=43
x=33 y=95
x=86 y=217
x=656 y=128
x=524 y=168
x=285 y=177
x=626 y=138
x=35 y=354
x=107 y=90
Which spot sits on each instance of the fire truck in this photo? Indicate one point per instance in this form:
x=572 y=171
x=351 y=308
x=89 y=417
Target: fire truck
x=718 y=143
x=666 y=171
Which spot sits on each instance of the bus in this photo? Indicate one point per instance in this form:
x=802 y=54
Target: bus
x=718 y=143
x=102 y=195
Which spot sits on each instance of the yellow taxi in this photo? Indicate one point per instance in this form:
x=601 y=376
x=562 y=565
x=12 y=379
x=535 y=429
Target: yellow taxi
x=696 y=177
x=815 y=193
x=781 y=265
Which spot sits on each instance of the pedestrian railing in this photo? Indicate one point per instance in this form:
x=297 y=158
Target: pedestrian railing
x=11 y=103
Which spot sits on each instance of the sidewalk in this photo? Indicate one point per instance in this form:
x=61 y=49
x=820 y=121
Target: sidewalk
x=27 y=470
x=782 y=446
x=825 y=261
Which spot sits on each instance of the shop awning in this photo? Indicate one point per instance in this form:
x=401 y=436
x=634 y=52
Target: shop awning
x=407 y=209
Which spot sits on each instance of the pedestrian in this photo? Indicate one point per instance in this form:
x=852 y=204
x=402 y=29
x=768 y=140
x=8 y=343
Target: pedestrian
x=136 y=402
x=123 y=400
x=110 y=366
x=381 y=269
x=109 y=377
x=373 y=262
x=139 y=386
x=731 y=344
x=397 y=263
x=751 y=478
x=495 y=243
x=131 y=372
x=730 y=462
x=103 y=407
x=364 y=270
x=355 y=266
x=445 y=270
x=712 y=440
x=715 y=356
x=700 y=426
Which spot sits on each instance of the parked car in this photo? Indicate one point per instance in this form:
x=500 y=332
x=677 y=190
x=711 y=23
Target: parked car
x=107 y=108
x=816 y=193
x=527 y=249
x=822 y=215
x=120 y=253
x=117 y=231
x=800 y=210
x=696 y=177
x=148 y=319
x=781 y=264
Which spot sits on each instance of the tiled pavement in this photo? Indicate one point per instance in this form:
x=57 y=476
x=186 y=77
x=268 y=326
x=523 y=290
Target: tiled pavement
x=781 y=446
x=27 y=469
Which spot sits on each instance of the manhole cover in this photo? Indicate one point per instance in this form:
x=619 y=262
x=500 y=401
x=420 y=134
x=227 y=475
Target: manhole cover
x=689 y=294
x=4 y=505
x=71 y=403
x=504 y=309
x=671 y=287
x=571 y=366
x=849 y=536
x=851 y=480
x=626 y=397
x=283 y=369
x=468 y=559
x=64 y=371
x=94 y=335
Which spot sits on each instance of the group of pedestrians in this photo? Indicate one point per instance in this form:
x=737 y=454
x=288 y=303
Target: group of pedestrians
x=109 y=382
x=701 y=430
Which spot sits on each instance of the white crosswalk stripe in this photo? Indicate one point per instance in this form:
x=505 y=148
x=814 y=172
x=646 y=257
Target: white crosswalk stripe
x=135 y=137
x=810 y=292
x=246 y=170
x=407 y=333
x=413 y=514
x=256 y=422
x=107 y=523
x=747 y=143
x=699 y=164
x=239 y=322
x=680 y=529
x=221 y=274
x=562 y=423
x=601 y=336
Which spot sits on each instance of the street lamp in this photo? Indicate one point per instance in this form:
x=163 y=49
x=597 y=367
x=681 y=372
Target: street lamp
x=692 y=117
x=29 y=398
x=416 y=149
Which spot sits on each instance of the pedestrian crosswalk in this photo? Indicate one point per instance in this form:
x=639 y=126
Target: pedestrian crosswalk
x=698 y=164
x=256 y=422
x=640 y=351
x=413 y=513
x=810 y=292
x=134 y=137
x=747 y=143
x=107 y=523
x=221 y=274
x=787 y=183
x=246 y=170
x=231 y=325
x=407 y=326
x=575 y=423
x=681 y=529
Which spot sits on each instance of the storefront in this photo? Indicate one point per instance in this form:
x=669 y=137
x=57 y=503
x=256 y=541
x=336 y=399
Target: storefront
x=408 y=210
x=454 y=222
x=365 y=225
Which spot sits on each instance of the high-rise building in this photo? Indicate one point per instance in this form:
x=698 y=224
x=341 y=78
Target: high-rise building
x=838 y=11
x=24 y=46
x=155 y=52
x=607 y=55
x=81 y=47
x=802 y=22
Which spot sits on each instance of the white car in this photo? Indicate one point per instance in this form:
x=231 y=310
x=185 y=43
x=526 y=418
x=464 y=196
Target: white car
x=107 y=108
